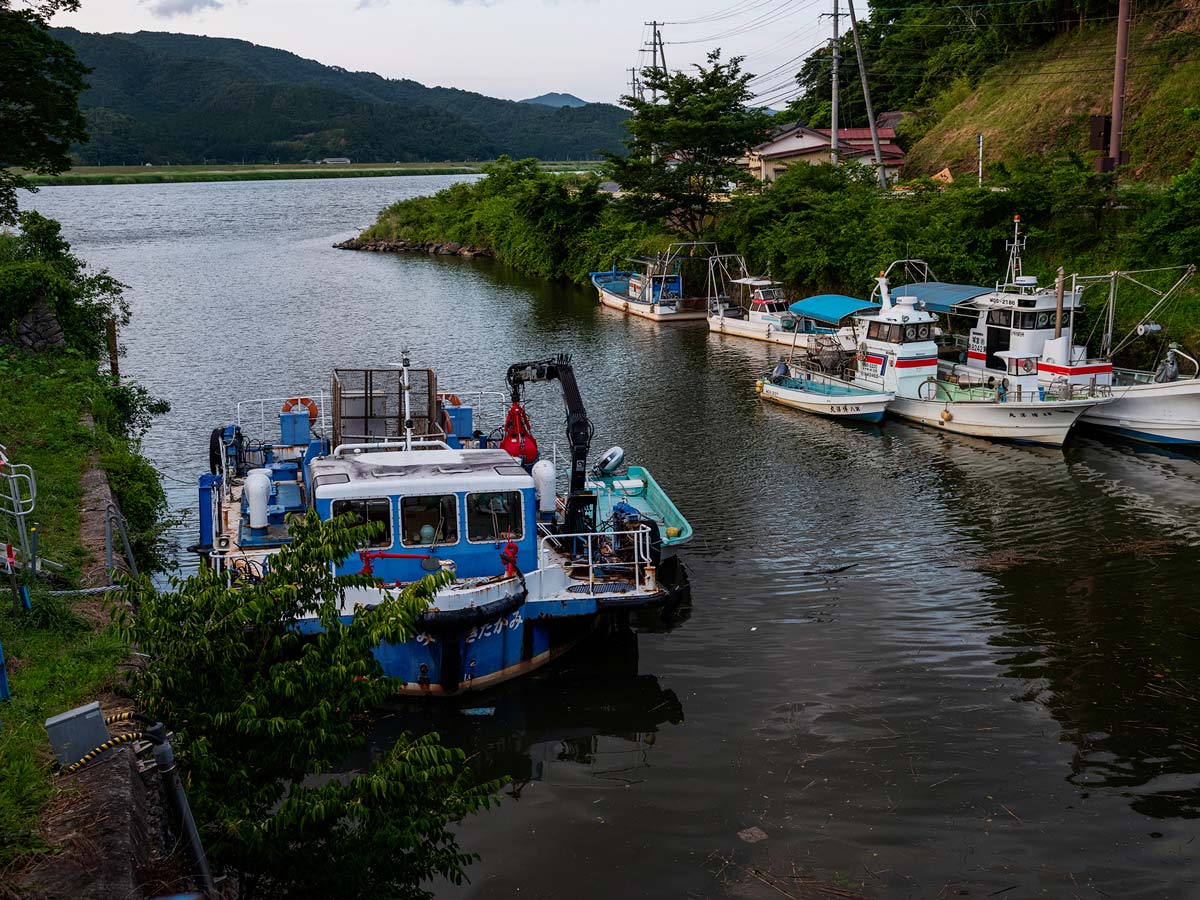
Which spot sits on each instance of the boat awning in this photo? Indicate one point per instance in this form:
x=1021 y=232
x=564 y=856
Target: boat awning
x=939 y=296
x=831 y=308
x=755 y=282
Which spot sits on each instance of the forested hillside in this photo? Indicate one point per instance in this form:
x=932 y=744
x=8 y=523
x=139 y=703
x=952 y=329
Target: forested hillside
x=176 y=98
x=1027 y=74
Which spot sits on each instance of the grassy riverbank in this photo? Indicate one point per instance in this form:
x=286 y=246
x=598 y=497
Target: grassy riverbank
x=83 y=175
x=63 y=652
x=820 y=229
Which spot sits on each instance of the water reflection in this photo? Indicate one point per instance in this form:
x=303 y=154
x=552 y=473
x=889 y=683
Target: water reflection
x=590 y=716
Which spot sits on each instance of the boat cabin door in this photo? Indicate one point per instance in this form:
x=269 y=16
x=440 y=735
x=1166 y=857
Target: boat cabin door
x=998 y=340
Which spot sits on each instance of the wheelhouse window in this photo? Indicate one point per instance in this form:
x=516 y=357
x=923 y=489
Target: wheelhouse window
x=1001 y=317
x=494 y=516
x=899 y=334
x=364 y=511
x=429 y=520
x=1029 y=321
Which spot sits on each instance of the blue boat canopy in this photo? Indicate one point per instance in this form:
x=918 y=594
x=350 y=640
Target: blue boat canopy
x=831 y=308
x=939 y=296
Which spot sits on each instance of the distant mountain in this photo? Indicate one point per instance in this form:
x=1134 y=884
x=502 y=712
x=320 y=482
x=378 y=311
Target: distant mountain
x=179 y=98
x=557 y=100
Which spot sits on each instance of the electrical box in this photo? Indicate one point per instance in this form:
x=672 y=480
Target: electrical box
x=77 y=732
x=293 y=427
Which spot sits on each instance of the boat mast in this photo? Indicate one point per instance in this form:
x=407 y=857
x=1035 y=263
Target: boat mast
x=405 y=390
x=1015 y=246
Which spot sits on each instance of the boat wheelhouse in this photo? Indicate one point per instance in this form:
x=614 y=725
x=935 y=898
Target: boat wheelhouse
x=899 y=354
x=656 y=287
x=534 y=568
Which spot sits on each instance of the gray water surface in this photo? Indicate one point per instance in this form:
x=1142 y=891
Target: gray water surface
x=999 y=696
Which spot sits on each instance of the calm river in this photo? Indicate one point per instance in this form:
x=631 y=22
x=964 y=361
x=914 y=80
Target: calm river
x=999 y=697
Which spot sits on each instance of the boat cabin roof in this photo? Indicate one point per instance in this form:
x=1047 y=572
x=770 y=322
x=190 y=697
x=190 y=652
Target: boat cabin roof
x=969 y=299
x=755 y=282
x=390 y=472
x=831 y=308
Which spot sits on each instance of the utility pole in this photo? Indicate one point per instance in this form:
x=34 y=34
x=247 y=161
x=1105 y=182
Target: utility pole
x=1118 y=97
x=657 y=52
x=862 y=70
x=837 y=52
x=635 y=86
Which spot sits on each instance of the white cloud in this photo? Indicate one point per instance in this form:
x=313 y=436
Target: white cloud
x=168 y=9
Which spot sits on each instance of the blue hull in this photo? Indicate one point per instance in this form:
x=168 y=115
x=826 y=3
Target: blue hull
x=1145 y=437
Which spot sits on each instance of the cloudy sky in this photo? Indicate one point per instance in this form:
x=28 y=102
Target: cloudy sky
x=505 y=48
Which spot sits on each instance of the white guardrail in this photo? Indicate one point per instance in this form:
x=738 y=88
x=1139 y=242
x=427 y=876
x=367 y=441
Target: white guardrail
x=641 y=551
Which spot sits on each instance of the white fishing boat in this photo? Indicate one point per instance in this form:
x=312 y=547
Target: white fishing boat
x=900 y=355
x=1037 y=324
x=814 y=391
x=656 y=289
x=760 y=310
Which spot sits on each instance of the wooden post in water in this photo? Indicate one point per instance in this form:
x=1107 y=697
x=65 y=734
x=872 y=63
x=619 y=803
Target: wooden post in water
x=113 y=350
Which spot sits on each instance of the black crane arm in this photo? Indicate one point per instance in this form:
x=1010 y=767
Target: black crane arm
x=579 y=427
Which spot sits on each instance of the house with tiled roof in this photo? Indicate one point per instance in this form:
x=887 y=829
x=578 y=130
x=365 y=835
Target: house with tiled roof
x=800 y=144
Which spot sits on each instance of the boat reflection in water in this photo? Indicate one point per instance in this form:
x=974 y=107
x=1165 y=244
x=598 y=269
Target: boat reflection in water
x=590 y=715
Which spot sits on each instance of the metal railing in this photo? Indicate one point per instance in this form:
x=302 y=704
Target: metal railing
x=595 y=556
x=113 y=516
x=18 y=499
x=246 y=412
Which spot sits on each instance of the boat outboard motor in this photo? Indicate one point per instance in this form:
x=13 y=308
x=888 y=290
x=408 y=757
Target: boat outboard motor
x=610 y=462
x=780 y=373
x=1168 y=371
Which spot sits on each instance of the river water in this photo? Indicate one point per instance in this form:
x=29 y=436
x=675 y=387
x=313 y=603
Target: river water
x=997 y=695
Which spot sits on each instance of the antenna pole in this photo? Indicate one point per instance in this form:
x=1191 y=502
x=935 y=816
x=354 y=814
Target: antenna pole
x=862 y=70
x=405 y=387
x=837 y=53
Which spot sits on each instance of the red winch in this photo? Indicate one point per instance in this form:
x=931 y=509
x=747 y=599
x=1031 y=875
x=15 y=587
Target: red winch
x=518 y=438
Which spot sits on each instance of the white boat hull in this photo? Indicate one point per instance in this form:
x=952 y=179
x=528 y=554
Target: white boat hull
x=1166 y=413
x=864 y=408
x=653 y=311
x=1026 y=423
x=769 y=333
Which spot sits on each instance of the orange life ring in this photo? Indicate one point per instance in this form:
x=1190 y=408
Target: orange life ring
x=307 y=402
x=452 y=399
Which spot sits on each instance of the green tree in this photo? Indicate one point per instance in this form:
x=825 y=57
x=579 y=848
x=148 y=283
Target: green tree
x=261 y=712
x=40 y=83
x=683 y=149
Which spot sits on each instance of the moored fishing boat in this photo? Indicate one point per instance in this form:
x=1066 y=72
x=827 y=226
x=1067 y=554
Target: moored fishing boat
x=899 y=354
x=1037 y=323
x=534 y=569
x=811 y=390
x=656 y=289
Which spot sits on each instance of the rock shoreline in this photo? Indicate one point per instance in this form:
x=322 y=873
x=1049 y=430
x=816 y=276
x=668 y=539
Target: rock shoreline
x=435 y=248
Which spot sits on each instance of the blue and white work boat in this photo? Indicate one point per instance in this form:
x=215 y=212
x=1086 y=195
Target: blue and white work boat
x=535 y=569
x=657 y=289
x=819 y=392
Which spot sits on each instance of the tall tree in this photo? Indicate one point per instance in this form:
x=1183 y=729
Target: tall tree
x=683 y=147
x=40 y=84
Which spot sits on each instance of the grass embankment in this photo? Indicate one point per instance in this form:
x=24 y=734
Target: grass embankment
x=62 y=653
x=83 y=175
x=820 y=230
x=1039 y=102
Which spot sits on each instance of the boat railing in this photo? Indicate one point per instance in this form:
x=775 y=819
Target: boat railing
x=254 y=412
x=599 y=547
x=417 y=443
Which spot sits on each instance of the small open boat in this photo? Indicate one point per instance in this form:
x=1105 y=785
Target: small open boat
x=826 y=395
